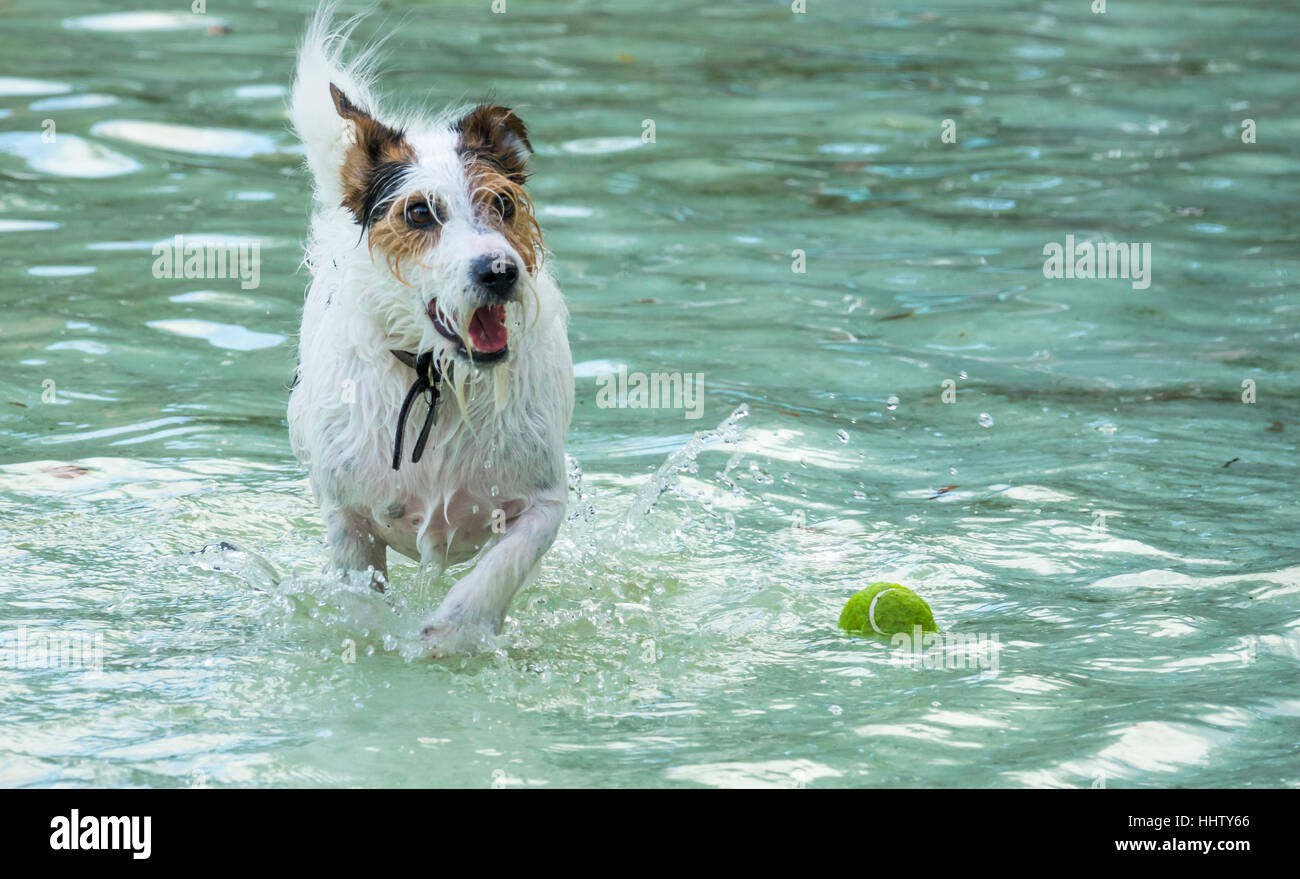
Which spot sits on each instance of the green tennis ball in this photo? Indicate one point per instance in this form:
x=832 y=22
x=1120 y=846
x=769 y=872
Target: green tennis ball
x=886 y=608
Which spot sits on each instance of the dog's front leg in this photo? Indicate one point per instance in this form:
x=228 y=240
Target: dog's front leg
x=353 y=546
x=476 y=606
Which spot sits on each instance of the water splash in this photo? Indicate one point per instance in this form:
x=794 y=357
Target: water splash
x=679 y=462
x=225 y=558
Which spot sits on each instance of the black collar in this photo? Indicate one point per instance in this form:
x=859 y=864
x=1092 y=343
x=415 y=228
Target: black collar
x=427 y=379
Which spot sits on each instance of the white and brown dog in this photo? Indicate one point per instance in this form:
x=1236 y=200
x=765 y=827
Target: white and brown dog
x=435 y=383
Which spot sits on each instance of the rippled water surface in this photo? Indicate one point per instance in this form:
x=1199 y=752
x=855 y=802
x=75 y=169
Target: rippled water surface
x=1088 y=488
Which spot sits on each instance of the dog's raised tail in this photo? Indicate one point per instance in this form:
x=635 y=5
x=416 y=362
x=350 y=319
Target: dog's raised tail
x=324 y=133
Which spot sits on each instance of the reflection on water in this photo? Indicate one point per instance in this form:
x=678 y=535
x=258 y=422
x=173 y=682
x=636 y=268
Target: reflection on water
x=67 y=156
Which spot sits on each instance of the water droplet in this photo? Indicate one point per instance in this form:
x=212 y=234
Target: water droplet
x=986 y=420
x=843 y=435
x=891 y=404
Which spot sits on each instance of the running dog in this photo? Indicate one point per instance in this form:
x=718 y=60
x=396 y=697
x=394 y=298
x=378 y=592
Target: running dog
x=434 y=384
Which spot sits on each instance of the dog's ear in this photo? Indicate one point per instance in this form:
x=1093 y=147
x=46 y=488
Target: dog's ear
x=374 y=146
x=495 y=134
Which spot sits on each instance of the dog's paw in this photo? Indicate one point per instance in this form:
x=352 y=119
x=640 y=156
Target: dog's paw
x=442 y=639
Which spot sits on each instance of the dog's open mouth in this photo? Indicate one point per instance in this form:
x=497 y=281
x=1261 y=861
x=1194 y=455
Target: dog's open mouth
x=487 y=332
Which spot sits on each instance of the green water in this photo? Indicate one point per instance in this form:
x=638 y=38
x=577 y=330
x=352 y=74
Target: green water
x=1142 y=590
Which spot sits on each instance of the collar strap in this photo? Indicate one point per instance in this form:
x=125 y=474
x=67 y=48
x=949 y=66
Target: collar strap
x=427 y=379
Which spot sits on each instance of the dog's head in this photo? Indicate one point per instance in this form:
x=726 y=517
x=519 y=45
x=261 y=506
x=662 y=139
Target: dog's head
x=450 y=229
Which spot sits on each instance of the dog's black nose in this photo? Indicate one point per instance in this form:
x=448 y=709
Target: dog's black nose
x=496 y=275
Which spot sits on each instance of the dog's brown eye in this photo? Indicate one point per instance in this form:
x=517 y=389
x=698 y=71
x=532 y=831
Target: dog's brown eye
x=419 y=214
x=506 y=207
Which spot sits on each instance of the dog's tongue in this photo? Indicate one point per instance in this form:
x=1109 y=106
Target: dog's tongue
x=487 y=329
